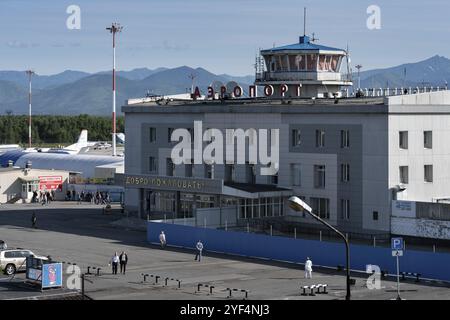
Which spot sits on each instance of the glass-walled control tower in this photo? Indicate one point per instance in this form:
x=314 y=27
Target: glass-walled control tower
x=305 y=67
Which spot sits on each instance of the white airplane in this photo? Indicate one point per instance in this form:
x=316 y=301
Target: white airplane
x=9 y=147
x=75 y=148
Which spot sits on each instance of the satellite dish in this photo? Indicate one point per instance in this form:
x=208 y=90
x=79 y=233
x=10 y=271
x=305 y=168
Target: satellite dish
x=216 y=85
x=230 y=87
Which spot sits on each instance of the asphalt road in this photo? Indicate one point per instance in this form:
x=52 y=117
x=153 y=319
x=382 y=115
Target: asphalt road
x=81 y=234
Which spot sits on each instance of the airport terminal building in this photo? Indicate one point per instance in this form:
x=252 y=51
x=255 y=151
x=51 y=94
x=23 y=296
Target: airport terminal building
x=348 y=160
x=353 y=160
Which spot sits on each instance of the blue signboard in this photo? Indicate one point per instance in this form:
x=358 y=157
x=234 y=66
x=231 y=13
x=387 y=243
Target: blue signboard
x=52 y=275
x=397 y=243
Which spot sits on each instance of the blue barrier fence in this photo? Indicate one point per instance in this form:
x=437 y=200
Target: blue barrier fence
x=428 y=264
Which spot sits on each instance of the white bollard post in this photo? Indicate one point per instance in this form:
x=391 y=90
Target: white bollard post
x=320 y=235
x=271 y=230
x=248 y=228
x=226 y=225
x=295 y=233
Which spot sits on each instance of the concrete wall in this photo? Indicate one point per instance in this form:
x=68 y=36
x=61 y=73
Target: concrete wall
x=430 y=265
x=416 y=156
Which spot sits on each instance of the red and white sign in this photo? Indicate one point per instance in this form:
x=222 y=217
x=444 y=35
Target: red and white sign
x=50 y=183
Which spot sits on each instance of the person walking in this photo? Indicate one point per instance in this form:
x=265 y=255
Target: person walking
x=308 y=268
x=123 y=262
x=33 y=220
x=199 y=248
x=162 y=239
x=115 y=262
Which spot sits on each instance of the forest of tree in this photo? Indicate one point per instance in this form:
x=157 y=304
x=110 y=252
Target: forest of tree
x=56 y=129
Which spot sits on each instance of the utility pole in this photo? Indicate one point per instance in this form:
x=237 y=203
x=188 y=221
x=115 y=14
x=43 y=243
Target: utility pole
x=192 y=76
x=30 y=73
x=359 y=78
x=115 y=27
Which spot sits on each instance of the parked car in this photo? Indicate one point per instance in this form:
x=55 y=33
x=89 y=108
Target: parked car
x=14 y=260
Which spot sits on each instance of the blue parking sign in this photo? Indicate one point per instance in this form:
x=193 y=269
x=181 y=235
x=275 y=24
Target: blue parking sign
x=397 y=243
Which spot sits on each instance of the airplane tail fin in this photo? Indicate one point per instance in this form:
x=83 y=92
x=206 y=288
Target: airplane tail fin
x=83 y=139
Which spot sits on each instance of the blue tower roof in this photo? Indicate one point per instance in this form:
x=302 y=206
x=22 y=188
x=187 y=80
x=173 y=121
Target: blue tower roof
x=303 y=44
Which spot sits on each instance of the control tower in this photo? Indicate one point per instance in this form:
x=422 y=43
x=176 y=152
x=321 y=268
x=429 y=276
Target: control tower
x=306 y=68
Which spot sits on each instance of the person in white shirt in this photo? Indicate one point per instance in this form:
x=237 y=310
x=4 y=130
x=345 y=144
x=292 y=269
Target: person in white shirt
x=199 y=248
x=308 y=268
x=162 y=239
x=115 y=262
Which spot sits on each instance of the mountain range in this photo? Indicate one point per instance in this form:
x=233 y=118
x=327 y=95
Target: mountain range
x=75 y=92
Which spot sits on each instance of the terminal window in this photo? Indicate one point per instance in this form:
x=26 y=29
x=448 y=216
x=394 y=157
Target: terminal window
x=321 y=207
x=345 y=172
x=403 y=139
x=296 y=175
x=428 y=139
x=428 y=173
x=296 y=137
x=345 y=139
x=345 y=209
x=375 y=215
x=404 y=178
x=152 y=164
x=319 y=176
x=320 y=138
x=152 y=135
x=169 y=134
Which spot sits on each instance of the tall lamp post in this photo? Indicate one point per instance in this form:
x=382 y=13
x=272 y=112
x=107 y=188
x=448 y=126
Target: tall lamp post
x=30 y=73
x=115 y=27
x=298 y=205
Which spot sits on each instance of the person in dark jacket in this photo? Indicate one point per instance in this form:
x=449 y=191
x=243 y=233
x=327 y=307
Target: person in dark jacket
x=123 y=262
x=33 y=220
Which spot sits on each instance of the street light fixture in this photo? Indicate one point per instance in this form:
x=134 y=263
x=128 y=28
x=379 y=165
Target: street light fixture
x=115 y=28
x=298 y=205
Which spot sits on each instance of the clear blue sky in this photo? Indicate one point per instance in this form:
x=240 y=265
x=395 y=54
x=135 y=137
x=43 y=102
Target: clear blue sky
x=222 y=36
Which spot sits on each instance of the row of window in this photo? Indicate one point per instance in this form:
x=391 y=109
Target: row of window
x=152 y=134
x=427 y=173
x=321 y=207
x=320 y=138
x=427 y=139
x=319 y=175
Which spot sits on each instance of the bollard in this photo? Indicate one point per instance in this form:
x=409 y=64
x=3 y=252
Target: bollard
x=98 y=271
x=434 y=248
x=320 y=235
x=211 y=289
x=229 y=292
x=271 y=233
x=179 y=284
x=88 y=270
x=145 y=277
x=246 y=293
x=165 y=281
x=374 y=242
x=248 y=228
x=198 y=287
x=156 y=279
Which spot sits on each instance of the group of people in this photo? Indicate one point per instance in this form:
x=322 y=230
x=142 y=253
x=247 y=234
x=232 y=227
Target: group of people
x=122 y=259
x=92 y=197
x=117 y=260
x=44 y=197
x=198 y=246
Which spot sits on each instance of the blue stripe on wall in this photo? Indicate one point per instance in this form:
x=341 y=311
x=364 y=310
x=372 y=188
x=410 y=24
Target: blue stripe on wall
x=430 y=265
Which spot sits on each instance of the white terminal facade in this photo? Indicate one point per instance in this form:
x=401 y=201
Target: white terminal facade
x=351 y=159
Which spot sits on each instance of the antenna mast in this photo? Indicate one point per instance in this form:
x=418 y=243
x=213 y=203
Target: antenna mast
x=304 y=21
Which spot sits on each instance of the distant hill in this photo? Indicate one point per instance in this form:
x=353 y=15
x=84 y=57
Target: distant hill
x=92 y=93
x=434 y=71
x=74 y=92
